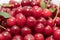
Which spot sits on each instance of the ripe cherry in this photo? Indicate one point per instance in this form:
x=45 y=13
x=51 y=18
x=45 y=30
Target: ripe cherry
x=46 y=13
x=11 y=21
x=1 y=37
x=31 y=21
x=39 y=28
x=25 y=31
x=21 y=20
x=39 y=36
x=29 y=37
x=15 y=30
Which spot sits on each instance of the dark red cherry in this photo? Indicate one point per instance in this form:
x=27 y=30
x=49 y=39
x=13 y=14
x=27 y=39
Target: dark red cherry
x=50 y=22
x=27 y=10
x=46 y=13
x=42 y=20
x=1 y=37
x=11 y=21
x=15 y=30
x=29 y=37
x=39 y=28
x=47 y=30
x=21 y=20
x=25 y=31
x=7 y=35
x=39 y=36
x=56 y=34
x=17 y=37
x=37 y=11
x=31 y=21
x=57 y=20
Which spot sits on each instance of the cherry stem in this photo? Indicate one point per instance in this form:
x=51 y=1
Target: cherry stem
x=57 y=13
x=2 y=27
x=48 y=3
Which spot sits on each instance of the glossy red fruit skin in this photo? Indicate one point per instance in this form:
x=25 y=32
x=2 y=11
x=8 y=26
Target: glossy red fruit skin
x=7 y=35
x=8 y=30
x=46 y=13
x=21 y=20
x=35 y=2
x=50 y=38
x=56 y=34
x=42 y=20
x=18 y=10
x=24 y=3
x=47 y=30
x=57 y=21
x=39 y=36
x=25 y=31
x=15 y=30
x=1 y=37
x=31 y=21
x=37 y=11
x=17 y=37
x=50 y=22
x=29 y=37
x=11 y=21
x=27 y=10
x=39 y=28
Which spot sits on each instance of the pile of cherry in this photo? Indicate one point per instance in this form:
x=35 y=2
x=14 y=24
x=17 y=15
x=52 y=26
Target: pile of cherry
x=29 y=21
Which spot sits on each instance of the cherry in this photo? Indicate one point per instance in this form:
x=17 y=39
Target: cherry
x=1 y=29
x=50 y=38
x=39 y=36
x=1 y=37
x=17 y=37
x=8 y=30
x=27 y=10
x=50 y=22
x=29 y=37
x=25 y=3
x=47 y=30
x=11 y=21
x=21 y=20
x=46 y=13
x=39 y=28
x=42 y=20
x=18 y=10
x=15 y=30
x=31 y=21
x=57 y=21
x=25 y=31
x=56 y=34
x=36 y=11
x=7 y=35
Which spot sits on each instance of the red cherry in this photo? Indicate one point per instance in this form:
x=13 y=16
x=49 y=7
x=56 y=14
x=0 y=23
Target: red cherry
x=47 y=30
x=15 y=30
x=36 y=11
x=39 y=28
x=1 y=37
x=27 y=10
x=29 y=37
x=42 y=20
x=7 y=35
x=11 y=21
x=17 y=37
x=39 y=36
x=56 y=34
x=46 y=13
x=57 y=21
x=25 y=31
x=31 y=21
x=21 y=20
